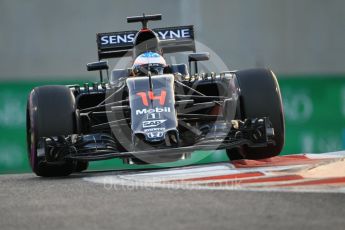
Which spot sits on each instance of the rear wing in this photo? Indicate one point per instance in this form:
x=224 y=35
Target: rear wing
x=171 y=40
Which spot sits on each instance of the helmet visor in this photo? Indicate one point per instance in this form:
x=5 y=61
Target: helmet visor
x=142 y=70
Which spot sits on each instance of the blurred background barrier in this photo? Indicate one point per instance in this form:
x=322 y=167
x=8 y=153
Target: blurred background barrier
x=314 y=112
x=46 y=38
x=302 y=41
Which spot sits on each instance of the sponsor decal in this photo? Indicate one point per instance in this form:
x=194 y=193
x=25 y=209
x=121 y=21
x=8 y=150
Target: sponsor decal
x=174 y=34
x=153 y=116
x=154 y=129
x=127 y=37
x=117 y=39
x=155 y=134
x=155 y=110
x=150 y=95
x=152 y=123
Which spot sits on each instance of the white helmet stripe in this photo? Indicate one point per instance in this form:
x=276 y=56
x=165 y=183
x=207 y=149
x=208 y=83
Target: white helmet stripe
x=149 y=58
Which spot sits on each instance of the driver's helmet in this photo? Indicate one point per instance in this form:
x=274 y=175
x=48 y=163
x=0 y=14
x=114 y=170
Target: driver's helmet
x=148 y=61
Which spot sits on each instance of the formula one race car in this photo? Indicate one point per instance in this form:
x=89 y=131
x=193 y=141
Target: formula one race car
x=153 y=112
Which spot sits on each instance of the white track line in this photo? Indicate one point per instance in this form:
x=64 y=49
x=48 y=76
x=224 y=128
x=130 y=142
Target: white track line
x=164 y=178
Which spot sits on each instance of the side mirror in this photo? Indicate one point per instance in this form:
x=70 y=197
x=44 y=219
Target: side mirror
x=195 y=57
x=204 y=56
x=100 y=65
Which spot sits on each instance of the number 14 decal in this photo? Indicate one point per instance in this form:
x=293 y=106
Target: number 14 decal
x=149 y=95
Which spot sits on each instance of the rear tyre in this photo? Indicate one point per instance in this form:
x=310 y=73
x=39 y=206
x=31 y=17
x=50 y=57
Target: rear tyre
x=50 y=112
x=260 y=97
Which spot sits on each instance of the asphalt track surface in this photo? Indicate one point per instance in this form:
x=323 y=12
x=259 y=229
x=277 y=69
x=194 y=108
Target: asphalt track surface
x=30 y=202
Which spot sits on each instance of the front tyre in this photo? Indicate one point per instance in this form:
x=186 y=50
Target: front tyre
x=50 y=112
x=260 y=97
